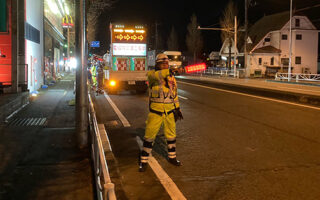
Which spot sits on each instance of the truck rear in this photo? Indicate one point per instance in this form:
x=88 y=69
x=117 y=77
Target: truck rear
x=127 y=61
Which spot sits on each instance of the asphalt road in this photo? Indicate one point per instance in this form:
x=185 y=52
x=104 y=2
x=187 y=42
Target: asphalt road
x=231 y=146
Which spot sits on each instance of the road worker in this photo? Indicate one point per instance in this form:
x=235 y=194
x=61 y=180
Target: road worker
x=93 y=71
x=164 y=110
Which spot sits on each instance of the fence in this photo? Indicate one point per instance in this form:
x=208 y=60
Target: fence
x=104 y=186
x=298 y=77
x=240 y=73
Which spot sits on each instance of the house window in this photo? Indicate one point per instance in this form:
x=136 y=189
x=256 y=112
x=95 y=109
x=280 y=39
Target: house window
x=298 y=37
x=297 y=22
x=298 y=60
x=284 y=37
x=272 y=61
x=267 y=39
x=260 y=61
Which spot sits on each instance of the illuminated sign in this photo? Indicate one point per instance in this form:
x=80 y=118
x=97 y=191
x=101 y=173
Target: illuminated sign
x=95 y=44
x=195 y=68
x=67 y=21
x=129 y=49
x=122 y=34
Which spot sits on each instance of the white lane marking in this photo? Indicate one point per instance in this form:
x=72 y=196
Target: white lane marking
x=115 y=108
x=249 y=95
x=163 y=177
x=182 y=97
x=15 y=112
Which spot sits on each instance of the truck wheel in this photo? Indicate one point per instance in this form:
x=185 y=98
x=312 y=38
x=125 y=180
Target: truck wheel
x=112 y=91
x=141 y=91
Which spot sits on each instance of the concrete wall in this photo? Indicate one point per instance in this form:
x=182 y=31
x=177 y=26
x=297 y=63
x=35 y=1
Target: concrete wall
x=34 y=51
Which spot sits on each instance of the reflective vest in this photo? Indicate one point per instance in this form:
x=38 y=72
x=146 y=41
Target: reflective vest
x=163 y=92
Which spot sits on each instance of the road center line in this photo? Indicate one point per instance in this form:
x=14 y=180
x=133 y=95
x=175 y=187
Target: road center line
x=116 y=109
x=165 y=180
x=249 y=95
x=182 y=97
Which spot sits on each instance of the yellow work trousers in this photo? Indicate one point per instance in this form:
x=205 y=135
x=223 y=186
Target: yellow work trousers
x=94 y=80
x=154 y=123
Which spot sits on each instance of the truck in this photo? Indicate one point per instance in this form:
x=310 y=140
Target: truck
x=175 y=61
x=127 y=59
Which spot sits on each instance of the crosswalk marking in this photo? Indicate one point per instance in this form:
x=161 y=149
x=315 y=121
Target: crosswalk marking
x=40 y=121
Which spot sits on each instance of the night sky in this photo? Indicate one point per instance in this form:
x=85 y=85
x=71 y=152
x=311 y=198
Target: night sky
x=177 y=13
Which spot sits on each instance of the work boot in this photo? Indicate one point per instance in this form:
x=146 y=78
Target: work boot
x=174 y=161
x=143 y=167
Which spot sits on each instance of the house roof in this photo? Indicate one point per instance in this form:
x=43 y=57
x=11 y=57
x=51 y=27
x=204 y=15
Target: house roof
x=267 y=49
x=265 y=25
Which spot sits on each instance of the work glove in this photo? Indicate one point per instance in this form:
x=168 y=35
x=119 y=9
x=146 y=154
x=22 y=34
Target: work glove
x=177 y=114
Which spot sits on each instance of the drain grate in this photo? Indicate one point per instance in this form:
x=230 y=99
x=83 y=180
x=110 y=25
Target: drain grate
x=28 y=122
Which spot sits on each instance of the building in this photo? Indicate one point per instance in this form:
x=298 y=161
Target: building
x=32 y=43
x=268 y=46
x=269 y=50
x=21 y=44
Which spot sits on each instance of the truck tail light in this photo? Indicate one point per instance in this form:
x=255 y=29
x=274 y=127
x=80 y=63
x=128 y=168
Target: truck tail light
x=112 y=83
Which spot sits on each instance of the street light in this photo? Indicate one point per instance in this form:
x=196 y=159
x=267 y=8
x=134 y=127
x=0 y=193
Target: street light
x=290 y=43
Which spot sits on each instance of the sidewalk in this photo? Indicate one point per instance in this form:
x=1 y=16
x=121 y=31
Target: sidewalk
x=39 y=157
x=302 y=93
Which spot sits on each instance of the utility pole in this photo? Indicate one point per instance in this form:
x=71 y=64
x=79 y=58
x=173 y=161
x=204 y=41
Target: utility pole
x=290 y=43
x=235 y=38
x=246 y=36
x=156 y=46
x=235 y=46
x=81 y=75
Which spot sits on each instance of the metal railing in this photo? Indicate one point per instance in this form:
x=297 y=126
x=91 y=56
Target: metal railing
x=104 y=186
x=221 y=72
x=298 y=77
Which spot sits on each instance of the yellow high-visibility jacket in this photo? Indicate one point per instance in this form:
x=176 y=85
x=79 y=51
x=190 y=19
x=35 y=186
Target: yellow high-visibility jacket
x=163 y=91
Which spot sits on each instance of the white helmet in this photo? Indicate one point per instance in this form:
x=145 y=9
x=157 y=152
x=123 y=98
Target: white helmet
x=161 y=57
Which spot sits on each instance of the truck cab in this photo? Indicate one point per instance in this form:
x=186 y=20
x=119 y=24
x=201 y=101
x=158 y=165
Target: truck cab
x=175 y=60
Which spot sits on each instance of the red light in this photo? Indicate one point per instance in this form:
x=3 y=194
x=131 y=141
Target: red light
x=195 y=68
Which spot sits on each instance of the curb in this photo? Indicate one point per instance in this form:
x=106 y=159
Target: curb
x=295 y=83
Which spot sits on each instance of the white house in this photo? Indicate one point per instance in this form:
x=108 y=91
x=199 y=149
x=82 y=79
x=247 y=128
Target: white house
x=268 y=45
x=269 y=51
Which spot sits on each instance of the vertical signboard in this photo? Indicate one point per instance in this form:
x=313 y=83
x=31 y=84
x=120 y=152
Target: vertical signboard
x=5 y=42
x=3 y=16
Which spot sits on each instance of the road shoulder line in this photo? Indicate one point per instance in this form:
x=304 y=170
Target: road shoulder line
x=116 y=109
x=163 y=177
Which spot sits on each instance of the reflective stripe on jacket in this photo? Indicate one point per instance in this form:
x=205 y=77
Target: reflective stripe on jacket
x=163 y=94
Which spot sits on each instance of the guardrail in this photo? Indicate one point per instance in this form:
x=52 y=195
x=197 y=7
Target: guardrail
x=239 y=72
x=298 y=77
x=104 y=186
